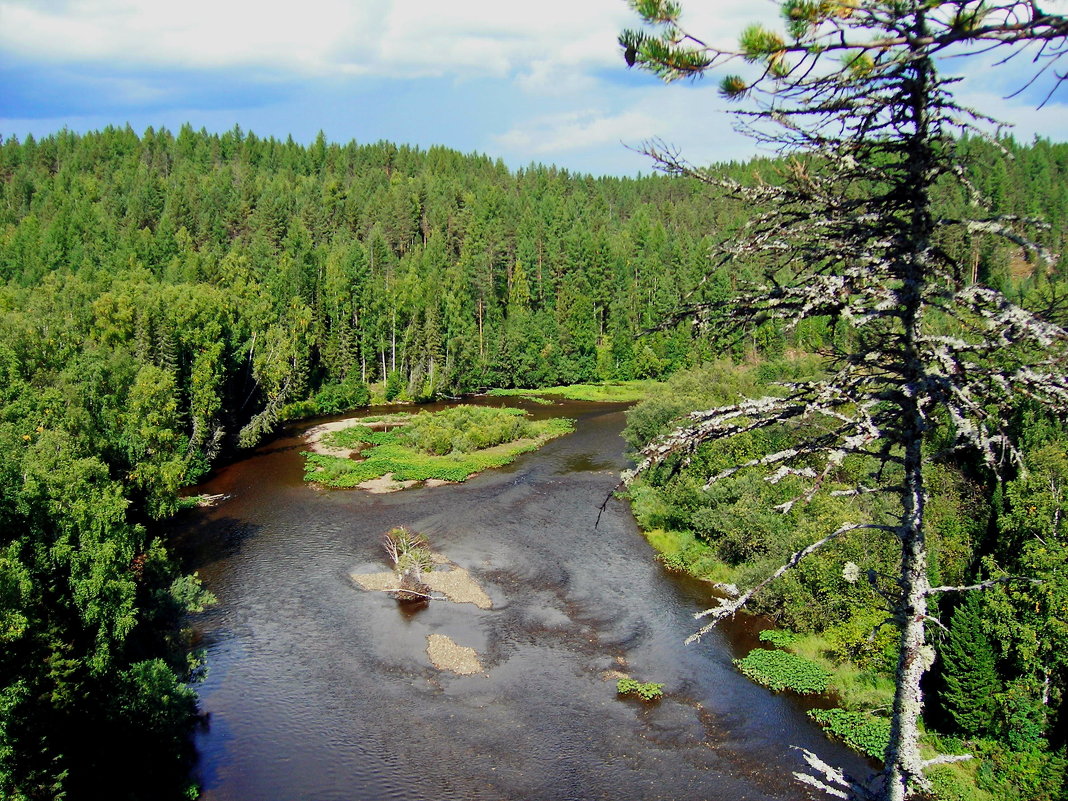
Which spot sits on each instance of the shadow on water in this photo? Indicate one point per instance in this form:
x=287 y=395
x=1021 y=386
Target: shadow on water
x=317 y=689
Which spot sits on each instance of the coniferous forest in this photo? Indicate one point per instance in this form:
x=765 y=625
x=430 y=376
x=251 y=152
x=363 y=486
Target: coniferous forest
x=169 y=299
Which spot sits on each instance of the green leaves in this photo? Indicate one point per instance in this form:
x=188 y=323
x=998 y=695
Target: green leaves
x=663 y=51
x=656 y=11
x=758 y=43
x=733 y=87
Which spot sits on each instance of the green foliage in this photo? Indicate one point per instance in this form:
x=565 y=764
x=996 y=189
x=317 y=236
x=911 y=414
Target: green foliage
x=408 y=550
x=861 y=731
x=1034 y=774
x=357 y=435
x=646 y=691
x=394 y=385
x=781 y=670
x=603 y=392
x=343 y=397
x=464 y=429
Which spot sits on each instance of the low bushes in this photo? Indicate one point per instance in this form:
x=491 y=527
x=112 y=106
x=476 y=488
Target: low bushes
x=463 y=429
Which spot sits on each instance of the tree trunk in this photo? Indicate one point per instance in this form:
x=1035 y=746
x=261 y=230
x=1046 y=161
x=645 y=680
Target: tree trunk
x=903 y=765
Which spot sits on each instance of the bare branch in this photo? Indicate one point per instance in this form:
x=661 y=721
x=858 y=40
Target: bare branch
x=728 y=608
x=982 y=585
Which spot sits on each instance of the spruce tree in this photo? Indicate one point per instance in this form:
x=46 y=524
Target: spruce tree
x=970 y=669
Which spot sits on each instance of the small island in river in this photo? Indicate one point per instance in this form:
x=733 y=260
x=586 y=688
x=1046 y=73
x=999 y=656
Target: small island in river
x=396 y=451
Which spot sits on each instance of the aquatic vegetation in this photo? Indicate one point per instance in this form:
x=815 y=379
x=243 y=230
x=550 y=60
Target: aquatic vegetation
x=781 y=670
x=647 y=691
x=781 y=638
x=861 y=731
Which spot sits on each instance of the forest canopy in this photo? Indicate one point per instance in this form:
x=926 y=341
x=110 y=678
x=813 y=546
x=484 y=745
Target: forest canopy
x=166 y=298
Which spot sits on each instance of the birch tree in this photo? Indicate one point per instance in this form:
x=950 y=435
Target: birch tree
x=853 y=93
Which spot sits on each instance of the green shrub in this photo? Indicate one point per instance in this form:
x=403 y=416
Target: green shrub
x=859 y=730
x=647 y=691
x=394 y=385
x=951 y=783
x=335 y=398
x=463 y=429
x=408 y=549
x=1036 y=775
x=781 y=670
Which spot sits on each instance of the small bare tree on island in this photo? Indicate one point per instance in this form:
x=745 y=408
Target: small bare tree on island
x=853 y=92
x=411 y=555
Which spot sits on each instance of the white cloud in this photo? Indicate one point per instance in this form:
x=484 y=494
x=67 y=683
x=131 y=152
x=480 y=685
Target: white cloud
x=400 y=38
x=545 y=42
x=577 y=130
x=692 y=121
x=192 y=34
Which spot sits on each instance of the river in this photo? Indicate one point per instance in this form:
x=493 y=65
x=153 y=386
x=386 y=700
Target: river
x=319 y=690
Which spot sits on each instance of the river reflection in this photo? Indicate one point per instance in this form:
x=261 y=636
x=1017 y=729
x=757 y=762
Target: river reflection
x=318 y=690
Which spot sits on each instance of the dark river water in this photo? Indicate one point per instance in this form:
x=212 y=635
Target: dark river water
x=318 y=690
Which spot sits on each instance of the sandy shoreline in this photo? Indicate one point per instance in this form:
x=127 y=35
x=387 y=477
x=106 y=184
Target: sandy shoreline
x=313 y=437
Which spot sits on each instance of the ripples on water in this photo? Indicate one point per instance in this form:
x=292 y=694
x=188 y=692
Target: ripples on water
x=318 y=690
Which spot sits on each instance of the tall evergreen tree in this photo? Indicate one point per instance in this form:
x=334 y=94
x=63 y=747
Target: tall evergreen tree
x=970 y=669
x=855 y=90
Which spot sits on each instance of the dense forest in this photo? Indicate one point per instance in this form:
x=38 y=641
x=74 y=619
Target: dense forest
x=169 y=298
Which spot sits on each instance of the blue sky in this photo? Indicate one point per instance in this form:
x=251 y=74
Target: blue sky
x=523 y=80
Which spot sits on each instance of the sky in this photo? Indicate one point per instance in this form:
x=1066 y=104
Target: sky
x=521 y=80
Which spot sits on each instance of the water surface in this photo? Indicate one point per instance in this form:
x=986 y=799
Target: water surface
x=319 y=690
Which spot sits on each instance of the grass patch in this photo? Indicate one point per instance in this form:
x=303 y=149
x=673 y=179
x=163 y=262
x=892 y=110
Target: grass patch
x=682 y=551
x=603 y=391
x=358 y=435
x=781 y=670
x=408 y=451
x=780 y=638
x=857 y=689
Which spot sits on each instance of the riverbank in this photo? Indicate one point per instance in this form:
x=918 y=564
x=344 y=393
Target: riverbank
x=859 y=698
x=601 y=392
